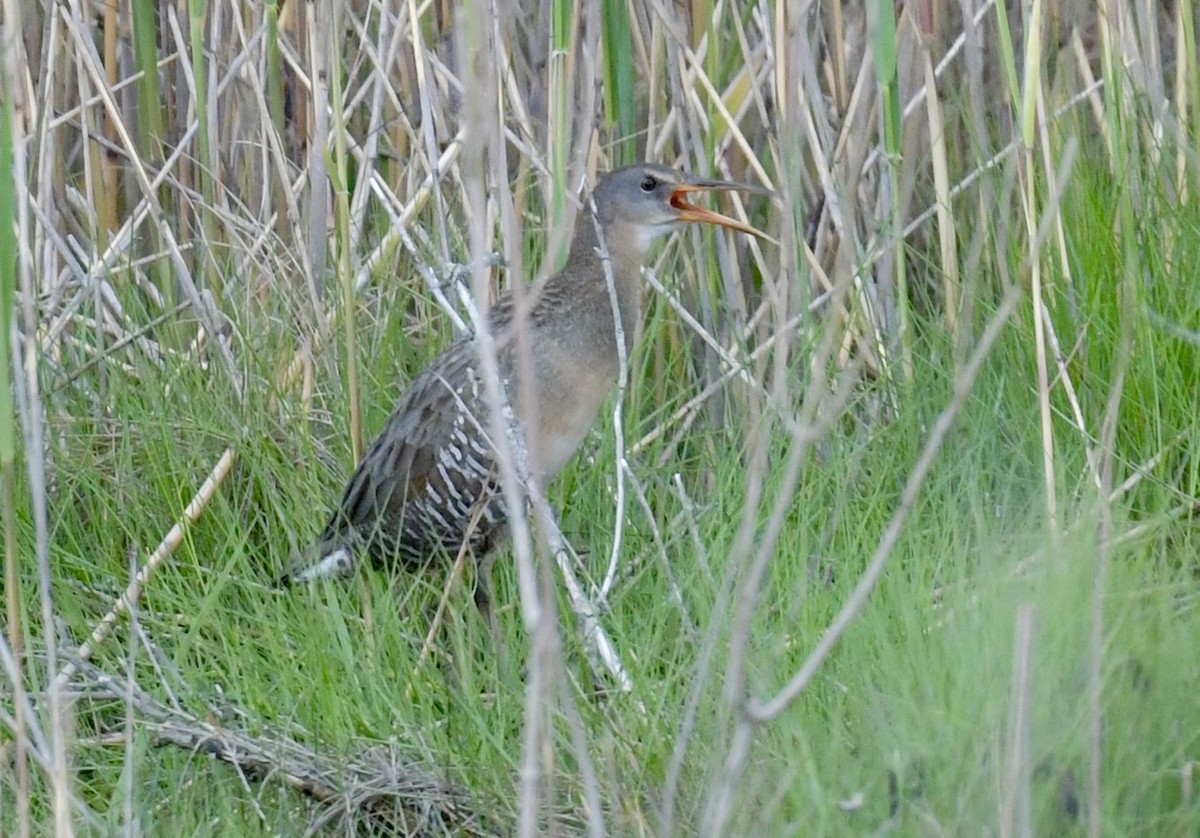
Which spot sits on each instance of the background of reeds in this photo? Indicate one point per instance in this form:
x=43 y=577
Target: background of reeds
x=903 y=508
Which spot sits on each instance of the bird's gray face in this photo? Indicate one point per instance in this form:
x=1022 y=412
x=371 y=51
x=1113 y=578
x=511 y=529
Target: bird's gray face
x=653 y=200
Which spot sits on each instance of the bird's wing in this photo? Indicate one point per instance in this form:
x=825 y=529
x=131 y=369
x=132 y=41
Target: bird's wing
x=398 y=464
x=408 y=464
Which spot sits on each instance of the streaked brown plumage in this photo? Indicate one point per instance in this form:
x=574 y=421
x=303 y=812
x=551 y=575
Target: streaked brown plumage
x=428 y=484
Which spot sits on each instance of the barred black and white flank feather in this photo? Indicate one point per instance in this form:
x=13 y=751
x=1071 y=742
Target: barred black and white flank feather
x=426 y=486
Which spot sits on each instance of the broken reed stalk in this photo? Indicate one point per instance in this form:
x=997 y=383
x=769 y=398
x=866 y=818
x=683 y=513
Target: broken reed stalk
x=380 y=786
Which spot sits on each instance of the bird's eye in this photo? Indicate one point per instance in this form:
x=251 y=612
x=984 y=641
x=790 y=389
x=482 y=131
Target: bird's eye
x=648 y=184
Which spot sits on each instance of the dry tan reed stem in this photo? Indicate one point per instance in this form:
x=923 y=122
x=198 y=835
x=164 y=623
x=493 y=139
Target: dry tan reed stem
x=169 y=544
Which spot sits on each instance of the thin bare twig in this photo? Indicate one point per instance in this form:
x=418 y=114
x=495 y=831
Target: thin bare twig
x=1016 y=816
x=1104 y=535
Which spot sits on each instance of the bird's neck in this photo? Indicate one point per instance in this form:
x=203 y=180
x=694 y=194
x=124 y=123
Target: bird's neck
x=586 y=262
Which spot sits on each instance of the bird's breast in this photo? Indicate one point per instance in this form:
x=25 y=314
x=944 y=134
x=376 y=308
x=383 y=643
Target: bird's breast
x=570 y=388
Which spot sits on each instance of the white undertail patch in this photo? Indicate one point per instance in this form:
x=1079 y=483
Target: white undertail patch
x=338 y=563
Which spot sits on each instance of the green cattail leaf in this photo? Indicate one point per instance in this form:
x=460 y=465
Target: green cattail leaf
x=145 y=52
x=1033 y=73
x=883 y=40
x=1008 y=56
x=618 y=76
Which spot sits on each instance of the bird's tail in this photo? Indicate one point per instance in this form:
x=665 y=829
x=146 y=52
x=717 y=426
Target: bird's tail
x=329 y=556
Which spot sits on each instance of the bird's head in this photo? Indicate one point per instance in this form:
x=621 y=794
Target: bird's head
x=648 y=201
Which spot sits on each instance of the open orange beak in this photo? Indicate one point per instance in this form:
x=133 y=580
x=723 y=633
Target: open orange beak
x=690 y=212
